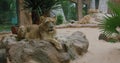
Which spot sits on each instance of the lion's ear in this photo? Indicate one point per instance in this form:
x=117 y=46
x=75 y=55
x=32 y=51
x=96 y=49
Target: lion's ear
x=42 y=19
x=55 y=18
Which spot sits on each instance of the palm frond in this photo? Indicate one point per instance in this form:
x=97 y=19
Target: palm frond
x=109 y=24
x=39 y=6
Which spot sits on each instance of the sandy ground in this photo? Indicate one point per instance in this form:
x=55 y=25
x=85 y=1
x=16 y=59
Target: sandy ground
x=99 y=51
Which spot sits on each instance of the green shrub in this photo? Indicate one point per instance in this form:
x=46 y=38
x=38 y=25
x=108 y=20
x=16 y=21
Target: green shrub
x=108 y=26
x=59 y=19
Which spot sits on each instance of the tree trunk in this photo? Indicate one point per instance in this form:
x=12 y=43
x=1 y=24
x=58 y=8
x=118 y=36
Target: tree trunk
x=24 y=17
x=79 y=7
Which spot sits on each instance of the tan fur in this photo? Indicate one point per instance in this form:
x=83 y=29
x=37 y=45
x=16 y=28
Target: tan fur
x=85 y=20
x=45 y=31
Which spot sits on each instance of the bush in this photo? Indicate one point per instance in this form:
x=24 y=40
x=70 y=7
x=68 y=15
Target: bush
x=108 y=26
x=59 y=19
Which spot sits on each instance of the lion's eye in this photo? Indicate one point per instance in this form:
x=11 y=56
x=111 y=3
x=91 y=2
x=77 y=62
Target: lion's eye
x=53 y=22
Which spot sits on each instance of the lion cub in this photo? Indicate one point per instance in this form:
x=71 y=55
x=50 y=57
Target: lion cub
x=45 y=31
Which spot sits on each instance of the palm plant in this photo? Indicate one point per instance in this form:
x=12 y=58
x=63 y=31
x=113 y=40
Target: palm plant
x=39 y=7
x=108 y=26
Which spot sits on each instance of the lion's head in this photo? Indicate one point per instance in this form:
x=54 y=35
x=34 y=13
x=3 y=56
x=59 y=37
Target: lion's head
x=48 y=24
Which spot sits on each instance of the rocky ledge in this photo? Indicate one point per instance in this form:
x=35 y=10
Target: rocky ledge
x=34 y=51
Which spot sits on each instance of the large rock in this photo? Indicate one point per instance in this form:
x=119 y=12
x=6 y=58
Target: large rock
x=36 y=52
x=79 y=42
x=76 y=44
x=33 y=51
x=41 y=51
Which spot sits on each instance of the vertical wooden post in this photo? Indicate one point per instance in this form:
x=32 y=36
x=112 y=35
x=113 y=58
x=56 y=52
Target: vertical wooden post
x=79 y=9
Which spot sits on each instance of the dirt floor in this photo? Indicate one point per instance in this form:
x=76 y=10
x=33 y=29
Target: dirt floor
x=99 y=51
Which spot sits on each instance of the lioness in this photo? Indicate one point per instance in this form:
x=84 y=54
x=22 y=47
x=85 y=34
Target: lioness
x=45 y=31
x=85 y=20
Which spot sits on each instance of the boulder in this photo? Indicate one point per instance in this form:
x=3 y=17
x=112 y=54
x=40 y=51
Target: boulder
x=103 y=37
x=78 y=42
x=33 y=51
x=41 y=51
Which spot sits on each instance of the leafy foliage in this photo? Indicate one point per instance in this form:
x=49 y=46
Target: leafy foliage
x=69 y=9
x=43 y=7
x=59 y=19
x=108 y=26
x=39 y=6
